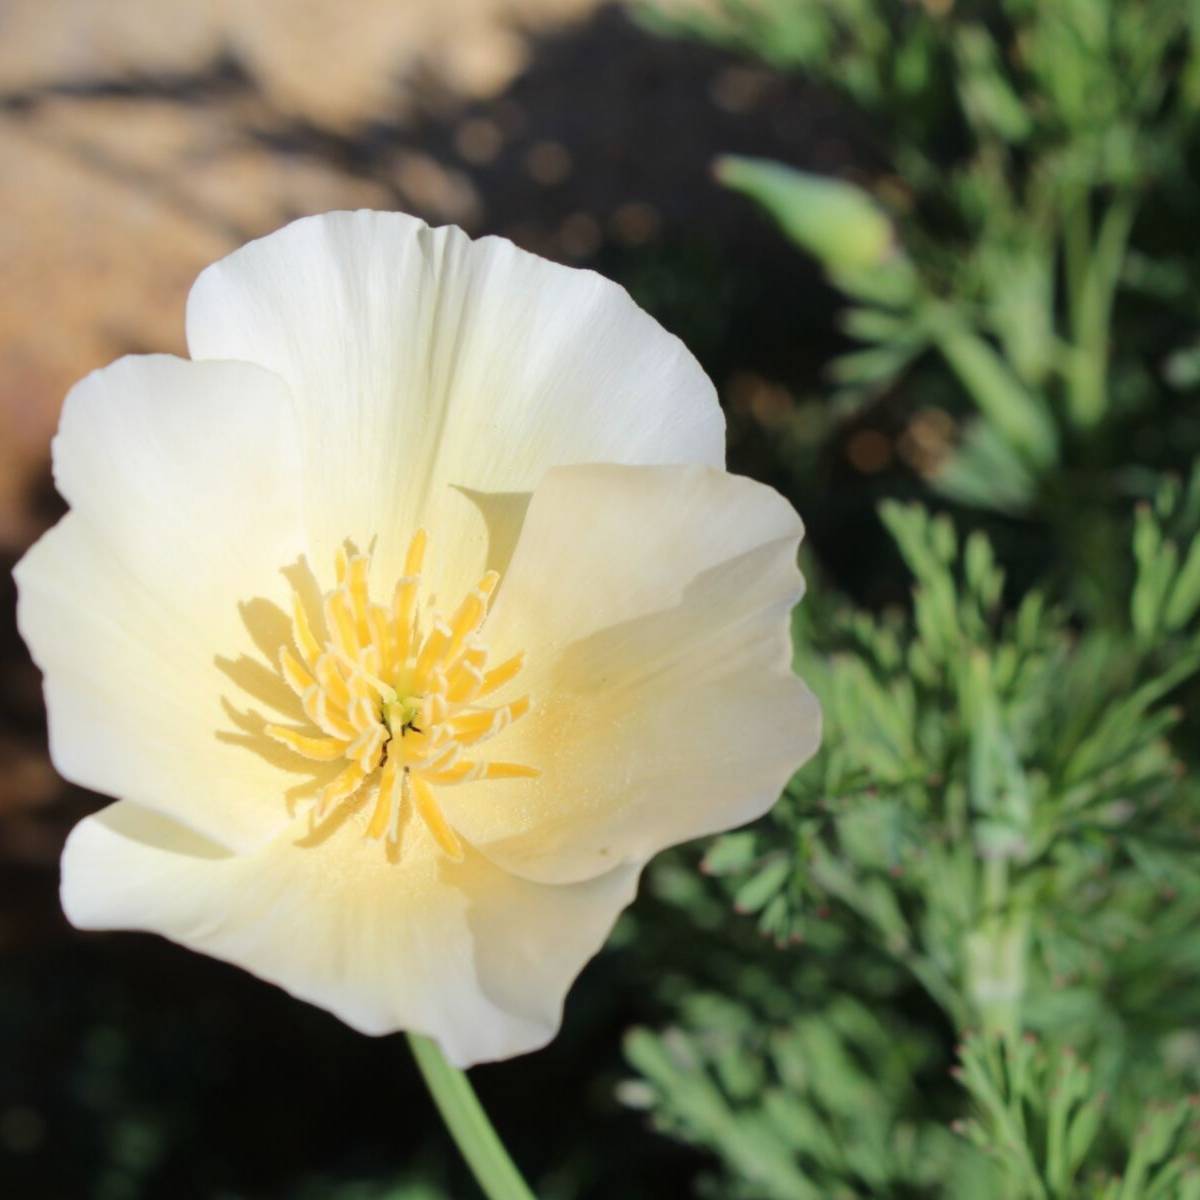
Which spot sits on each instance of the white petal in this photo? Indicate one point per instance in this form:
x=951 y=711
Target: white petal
x=183 y=483
x=424 y=361
x=653 y=604
x=462 y=952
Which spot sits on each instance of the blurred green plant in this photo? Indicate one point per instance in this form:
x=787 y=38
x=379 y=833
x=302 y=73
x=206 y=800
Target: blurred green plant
x=983 y=893
x=999 y=813
x=1031 y=236
x=408 y=1188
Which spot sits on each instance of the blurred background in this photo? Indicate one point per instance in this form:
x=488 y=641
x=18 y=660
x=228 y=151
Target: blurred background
x=993 y=309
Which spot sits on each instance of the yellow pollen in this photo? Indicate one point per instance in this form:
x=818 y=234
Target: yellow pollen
x=395 y=699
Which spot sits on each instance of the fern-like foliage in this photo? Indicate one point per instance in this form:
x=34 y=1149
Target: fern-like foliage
x=999 y=820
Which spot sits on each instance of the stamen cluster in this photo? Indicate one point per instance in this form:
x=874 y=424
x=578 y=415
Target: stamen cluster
x=402 y=705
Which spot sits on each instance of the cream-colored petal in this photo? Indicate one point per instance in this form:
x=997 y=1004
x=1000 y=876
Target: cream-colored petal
x=183 y=481
x=427 y=365
x=462 y=952
x=653 y=603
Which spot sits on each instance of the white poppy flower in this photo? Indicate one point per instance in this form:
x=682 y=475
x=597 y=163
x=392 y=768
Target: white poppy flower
x=265 y=626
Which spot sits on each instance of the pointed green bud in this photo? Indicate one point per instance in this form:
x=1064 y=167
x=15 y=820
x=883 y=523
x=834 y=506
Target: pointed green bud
x=836 y=222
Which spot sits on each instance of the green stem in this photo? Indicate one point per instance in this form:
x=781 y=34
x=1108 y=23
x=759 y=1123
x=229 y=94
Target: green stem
x=1019 y=415
x=1094 y=286
x=1077 y=251
x=473 y=1133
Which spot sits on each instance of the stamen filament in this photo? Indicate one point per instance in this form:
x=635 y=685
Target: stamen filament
x=359 y=565
x=307 y=645
x=316 y=708
x=434 y=820
x=359 y=673
x=432 y=650
x=404 y=605
x=385 y=801
x=332 y=681
x=470 y=614
x=295 y=676
x=342 y=788
x=341 y=622
x=318 y=749
x=496 y=678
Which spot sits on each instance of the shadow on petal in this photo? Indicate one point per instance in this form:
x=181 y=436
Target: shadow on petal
x=268 y=625
x=261 y=684
x=503 y=515
x=270 y=629
x=631 y=653
x=151 y=829
x=303 y=581
x=321 y=831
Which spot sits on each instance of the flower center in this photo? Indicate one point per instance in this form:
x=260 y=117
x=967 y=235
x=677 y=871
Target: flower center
x=401 y=704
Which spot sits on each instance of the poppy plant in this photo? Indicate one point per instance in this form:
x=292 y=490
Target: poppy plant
x=405 y=621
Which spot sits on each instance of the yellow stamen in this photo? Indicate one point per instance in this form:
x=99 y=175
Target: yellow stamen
x=398 y=708
x=379 y=623
x=388 y=797
x=416 y=553
x=341 y=623
x=319 y=711
x=294 y=675
x=479 y=726
x=302 y=633
x=404 y=605
x=367 y=749
x=365 y=681
x=363 y=714
x=435 y=822
x=342 y=788
x=470 y=772
x=466 y=677
x=332 y=681
x=496 y=678
x=507 y=770
x=470 y=614
x=432 y=650
x=319 y=749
